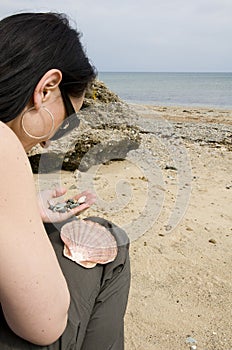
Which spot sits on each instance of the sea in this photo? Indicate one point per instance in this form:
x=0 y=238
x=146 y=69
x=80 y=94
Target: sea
x=213 y=90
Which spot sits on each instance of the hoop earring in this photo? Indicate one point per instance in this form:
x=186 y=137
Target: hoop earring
x=34 y=136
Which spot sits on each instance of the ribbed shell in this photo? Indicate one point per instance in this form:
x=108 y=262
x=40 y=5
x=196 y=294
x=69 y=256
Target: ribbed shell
x=88 y=243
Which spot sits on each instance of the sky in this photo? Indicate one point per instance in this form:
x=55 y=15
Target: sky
x=147 y=35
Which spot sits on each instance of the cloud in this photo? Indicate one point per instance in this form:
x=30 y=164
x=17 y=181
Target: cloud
x=149 y=34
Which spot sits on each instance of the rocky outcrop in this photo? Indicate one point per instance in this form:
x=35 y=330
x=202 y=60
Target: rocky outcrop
x=107 y=132
x=99 y=93
x=110 y=128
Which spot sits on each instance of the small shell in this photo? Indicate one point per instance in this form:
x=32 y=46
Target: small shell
x=88 y=243
x=82 y=200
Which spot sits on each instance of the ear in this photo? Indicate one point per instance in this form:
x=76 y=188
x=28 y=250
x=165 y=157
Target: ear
x=46 y=86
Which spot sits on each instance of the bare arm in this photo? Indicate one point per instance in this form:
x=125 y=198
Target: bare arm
x=33 y=291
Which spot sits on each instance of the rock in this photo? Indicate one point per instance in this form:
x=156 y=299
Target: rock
x=170 y=167
x=191 y=341
x=168 y=227
x=106 y=132
x=228 y=187
x=110 y=128
x=212 y=240
x=99 y=93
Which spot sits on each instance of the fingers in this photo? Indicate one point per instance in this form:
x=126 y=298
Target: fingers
x=80 y=209
x=59 y=191
x=90 y=197
x=51 y=216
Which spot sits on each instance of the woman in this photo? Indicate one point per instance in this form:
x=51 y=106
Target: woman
x=48 y=301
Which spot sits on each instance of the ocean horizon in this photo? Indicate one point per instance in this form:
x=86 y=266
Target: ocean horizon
x=203 y=89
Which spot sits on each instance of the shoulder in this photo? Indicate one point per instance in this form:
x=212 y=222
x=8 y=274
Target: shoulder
x=9 y=140
x=11 y=149
x=6 y=131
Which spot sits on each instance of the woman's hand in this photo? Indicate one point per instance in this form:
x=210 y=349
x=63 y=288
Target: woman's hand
x=49 y=197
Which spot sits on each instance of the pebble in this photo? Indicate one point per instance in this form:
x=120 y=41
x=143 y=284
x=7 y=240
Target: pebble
x=191 y=341
x=170 y=167
x=212 y=240
x=168 y=227
x=193 y=347
x=67 y=206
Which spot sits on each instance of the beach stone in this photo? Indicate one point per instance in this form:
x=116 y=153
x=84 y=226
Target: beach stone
x=212 y=240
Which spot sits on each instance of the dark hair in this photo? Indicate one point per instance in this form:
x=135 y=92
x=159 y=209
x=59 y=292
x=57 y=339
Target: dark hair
x=30 y=45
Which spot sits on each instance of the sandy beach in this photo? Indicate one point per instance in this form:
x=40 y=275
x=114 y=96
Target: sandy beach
x=173 y=196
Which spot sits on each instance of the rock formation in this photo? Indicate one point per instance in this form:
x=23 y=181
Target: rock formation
x=107 y=132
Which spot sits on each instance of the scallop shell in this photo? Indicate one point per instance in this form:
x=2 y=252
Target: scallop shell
x=88 y=243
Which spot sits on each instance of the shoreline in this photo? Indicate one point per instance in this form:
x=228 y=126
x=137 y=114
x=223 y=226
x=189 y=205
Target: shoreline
x=185 y=113
x=184 y=106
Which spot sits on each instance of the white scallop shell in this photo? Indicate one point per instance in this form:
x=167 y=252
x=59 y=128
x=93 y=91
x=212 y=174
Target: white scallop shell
x=88 y=243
